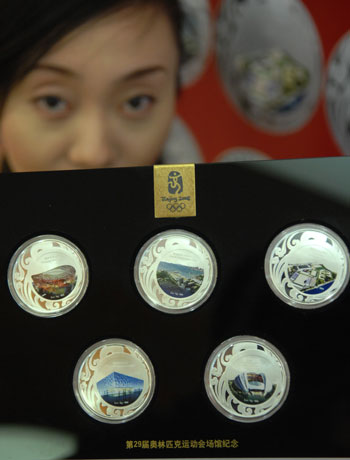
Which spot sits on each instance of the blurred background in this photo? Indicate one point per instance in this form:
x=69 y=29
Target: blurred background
x=264 y=79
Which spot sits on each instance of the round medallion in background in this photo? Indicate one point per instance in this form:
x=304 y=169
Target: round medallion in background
x=114 y=381
x=307 y=266
x=269 y=57
x=48 y=276
x=197 y=35
x=247 y=379
x=181 y=145
x=240 y=154
x=338 y=94
x=175 y=271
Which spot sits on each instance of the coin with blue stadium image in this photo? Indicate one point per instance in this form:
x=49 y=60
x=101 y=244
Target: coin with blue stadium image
x=114 y=381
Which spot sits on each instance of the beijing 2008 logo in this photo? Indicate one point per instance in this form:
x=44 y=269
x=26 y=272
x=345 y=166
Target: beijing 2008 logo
x=175 y=187
x=175 y=183
x=174 y=190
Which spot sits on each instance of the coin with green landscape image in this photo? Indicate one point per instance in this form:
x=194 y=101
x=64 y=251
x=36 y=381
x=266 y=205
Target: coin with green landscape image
x=175 y=271
x=179 y=280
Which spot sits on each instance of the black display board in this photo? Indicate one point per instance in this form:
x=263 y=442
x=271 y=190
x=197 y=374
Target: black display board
x=109 y=214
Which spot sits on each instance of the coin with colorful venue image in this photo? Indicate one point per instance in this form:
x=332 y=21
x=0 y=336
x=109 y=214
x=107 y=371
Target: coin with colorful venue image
x=307 y=266
x=247 y=379
x=48 y=276
x=197 y=32
x=270 y=60
x=114 y=381
x=337 y=91
x=175 y=271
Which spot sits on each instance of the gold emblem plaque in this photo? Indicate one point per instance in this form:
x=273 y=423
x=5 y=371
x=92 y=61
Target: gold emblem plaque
x=174 y=190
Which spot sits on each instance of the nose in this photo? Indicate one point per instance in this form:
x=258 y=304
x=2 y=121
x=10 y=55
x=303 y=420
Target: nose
x=93 y=144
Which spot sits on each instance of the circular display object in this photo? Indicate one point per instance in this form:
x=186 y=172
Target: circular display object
x=272 y=75
x=196 y=37
x=240 y=154
x=307 y=266
x=114 y=381
x=247 y=379
x=48 y=276
x=175 y=271
x=337 y=91
x=181 y=145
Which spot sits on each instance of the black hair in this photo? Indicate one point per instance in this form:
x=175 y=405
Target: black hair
x=29 y=28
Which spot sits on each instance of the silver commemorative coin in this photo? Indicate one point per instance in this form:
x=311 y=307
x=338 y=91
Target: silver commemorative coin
x=247 y=379
x=114 y=381
x=48 y=276
x=271 y=74
x=181 y=145
x=307 y=266
x=337 y=92
x=197 y=32
x=175 y=271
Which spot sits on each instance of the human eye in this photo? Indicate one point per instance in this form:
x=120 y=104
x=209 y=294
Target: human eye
x=138 y=106
x=52 y=106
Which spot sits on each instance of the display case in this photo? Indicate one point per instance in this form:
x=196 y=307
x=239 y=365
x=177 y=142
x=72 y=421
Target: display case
x=246 y=372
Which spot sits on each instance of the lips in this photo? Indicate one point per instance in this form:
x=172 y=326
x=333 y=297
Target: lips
x=56 y=283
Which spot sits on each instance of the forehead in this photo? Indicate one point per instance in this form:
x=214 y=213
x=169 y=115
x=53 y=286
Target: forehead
x=143 y=32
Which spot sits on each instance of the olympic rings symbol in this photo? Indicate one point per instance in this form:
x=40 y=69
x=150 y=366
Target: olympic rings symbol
x=176 y=207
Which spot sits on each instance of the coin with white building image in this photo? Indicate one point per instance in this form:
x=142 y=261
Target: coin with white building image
x=269 y=57
x=307 y=266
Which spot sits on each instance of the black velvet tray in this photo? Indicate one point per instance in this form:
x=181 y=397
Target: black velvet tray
x=109 y=214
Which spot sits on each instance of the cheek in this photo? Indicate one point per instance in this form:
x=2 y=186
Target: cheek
x=16 y=142
x=23 y=146
x=145 y=147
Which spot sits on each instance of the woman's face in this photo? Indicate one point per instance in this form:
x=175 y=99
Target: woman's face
x=103 y=96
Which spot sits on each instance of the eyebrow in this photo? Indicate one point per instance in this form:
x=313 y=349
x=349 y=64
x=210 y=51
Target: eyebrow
x=133 y=75
x=139 y=73
x=58 y=69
